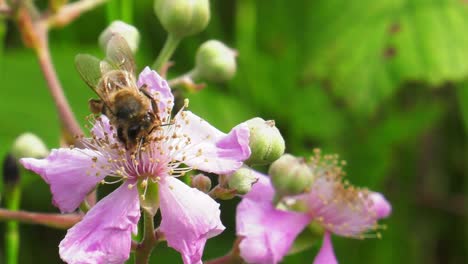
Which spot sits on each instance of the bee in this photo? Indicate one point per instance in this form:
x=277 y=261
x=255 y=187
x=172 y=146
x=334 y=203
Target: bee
x=132 y=110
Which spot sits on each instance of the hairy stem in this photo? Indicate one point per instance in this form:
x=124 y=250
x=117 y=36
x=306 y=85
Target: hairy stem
x=60 y=221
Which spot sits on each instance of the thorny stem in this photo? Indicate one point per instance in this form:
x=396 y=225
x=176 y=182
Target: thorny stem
x=144 y=249
x=34 y=30
x=168 y=49
x=66 y=115
x=60 y=221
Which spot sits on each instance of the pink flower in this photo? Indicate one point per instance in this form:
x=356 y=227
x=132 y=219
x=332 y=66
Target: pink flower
x=189 y=217
x=267 y=232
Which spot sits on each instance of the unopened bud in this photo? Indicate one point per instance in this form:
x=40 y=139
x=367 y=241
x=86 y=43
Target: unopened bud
x=202 y=183
x=266 y=142
x=28 y=145
x=215 y=62
x=128 y=32
x=242 y=180
x=183 y=17
x=290 y=175
x=11 y=174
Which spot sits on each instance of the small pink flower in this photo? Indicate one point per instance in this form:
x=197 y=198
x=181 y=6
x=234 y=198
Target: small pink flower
x=267 y=232
x=189 y=217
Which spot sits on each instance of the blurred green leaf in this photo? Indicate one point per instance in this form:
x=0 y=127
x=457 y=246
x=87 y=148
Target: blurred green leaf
x=462 y=96
x=369 y=49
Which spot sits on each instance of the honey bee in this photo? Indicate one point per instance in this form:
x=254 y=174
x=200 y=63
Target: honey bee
x=132 y=110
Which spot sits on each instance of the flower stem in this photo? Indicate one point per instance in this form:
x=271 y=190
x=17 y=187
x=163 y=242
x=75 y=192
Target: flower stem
x=143 y=251
x=51 y=220
x=232 y=257
x=168 y=49
x=126 y=11
x=12 y=238
x=66 y=115
x=69 y=12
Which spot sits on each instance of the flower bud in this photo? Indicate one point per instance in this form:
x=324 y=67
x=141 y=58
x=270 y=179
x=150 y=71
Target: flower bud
x=202 y=183
x=11 y=175
x=215 y=62
x=30 y=146
x=183 y=17
x=128 y=32
x=266 y=142
x=290 y=175
x=242 y=180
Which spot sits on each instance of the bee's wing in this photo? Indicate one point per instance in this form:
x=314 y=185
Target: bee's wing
x=89 y=69
x=119 y=56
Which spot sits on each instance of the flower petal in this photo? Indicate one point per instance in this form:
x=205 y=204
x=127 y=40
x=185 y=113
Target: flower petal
x=71 y=174
x=326 y=255
x=344 y=210
x=209 y=149
x=103 y=130
x=104 y=234
x=380 y=205
x=189 y=218
x=267 y=233
x=160 y=90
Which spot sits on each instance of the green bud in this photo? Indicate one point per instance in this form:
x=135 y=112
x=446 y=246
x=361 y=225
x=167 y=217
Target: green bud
x=290 y=175
x=128 y=32
x=30 y=146
x=266 y=142
x=215 y=62
x=183 y=17
x=242 y=180
x=202 y=183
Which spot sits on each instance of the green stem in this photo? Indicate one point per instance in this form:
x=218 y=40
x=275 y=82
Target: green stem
x=170 y=46
x=12 y=239
x=143 y=251
x=126 y=11
x=112 y=10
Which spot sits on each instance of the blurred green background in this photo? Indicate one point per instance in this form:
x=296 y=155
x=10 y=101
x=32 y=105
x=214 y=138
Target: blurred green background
x=383 y=83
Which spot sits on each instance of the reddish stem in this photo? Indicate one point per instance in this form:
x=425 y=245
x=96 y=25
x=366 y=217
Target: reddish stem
x=60 y=221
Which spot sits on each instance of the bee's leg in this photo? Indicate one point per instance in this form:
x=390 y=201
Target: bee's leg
x=96 y=106
x=154 y=105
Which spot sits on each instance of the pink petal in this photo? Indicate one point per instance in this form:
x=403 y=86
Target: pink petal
x=267 y=232
x=209 y=149
x=103 y=130
x=189 y=218
x=380 y=205
x=104 y=234
x=160 y=90
x=326 y=254
x=71 y=174
x=344 y=211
